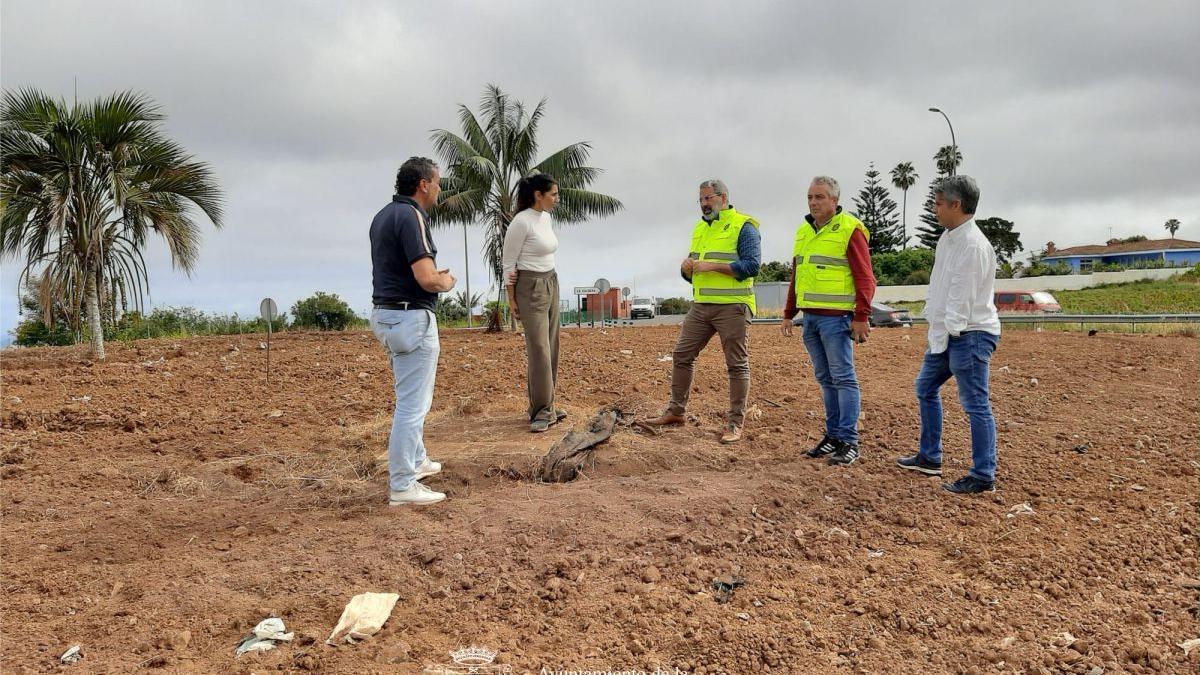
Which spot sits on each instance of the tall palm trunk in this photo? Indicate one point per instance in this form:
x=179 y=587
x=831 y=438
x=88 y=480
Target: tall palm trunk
x=904 y=220
x=92 y=299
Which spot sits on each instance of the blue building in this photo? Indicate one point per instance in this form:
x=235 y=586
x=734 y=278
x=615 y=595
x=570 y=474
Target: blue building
x=1169 y=252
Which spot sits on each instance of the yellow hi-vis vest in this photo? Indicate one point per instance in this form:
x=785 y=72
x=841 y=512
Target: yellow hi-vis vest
x=717 y=242
x=823 y=279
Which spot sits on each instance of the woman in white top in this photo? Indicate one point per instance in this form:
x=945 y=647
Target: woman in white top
x=528 y=262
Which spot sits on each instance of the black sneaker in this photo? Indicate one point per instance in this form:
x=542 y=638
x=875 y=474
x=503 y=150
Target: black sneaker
x=826 y=447
x=846 y=454
x=969 y=485
x=919 y=463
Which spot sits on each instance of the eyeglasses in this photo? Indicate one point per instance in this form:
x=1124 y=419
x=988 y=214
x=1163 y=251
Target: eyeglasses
x=711 y=197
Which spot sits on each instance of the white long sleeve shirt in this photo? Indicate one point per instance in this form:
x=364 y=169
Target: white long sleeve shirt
x=529 y=243
x=961 y=287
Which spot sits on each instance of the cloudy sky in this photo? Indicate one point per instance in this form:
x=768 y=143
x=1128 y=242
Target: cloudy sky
x=1077 y=118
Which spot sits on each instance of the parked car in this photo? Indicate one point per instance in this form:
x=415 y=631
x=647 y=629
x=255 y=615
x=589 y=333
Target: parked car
x=883 y=316
x=1026 y=301
x=642 y=308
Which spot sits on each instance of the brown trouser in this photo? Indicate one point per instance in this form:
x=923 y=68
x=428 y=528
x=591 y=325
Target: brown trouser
x=730 y=322
x=537 y=301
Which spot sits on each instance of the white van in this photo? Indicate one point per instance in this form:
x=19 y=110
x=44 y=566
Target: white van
x=642 y=308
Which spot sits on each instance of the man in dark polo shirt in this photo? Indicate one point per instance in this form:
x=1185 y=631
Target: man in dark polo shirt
x=406 y=284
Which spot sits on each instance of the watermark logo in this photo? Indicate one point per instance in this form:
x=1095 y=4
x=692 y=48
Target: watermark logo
x=471 y=660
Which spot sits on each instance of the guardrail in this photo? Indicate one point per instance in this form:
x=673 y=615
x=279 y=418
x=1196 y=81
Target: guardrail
x=1081 y=319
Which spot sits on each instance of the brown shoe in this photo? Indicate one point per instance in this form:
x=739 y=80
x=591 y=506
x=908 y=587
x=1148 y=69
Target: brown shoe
x=664 y=420
x=733 y=434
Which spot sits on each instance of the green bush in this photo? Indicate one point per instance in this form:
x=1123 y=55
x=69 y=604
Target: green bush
x=325 y=311
x=774 y=271
x=896 y=267
x=448 y=310
x=177 y=322
x=917 y=278
x=674 y=306
x=32 y=333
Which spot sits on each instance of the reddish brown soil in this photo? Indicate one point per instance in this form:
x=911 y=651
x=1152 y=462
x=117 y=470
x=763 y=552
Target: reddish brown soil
x=159 y=504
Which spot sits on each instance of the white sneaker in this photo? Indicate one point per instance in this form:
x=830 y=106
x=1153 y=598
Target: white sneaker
x=416 y=495
x=428 y=468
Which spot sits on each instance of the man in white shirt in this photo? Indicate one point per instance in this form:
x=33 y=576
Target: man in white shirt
x=963 y=332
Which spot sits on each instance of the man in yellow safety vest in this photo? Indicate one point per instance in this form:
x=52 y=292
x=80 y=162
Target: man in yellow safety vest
x=832 y=284
x=722 y=262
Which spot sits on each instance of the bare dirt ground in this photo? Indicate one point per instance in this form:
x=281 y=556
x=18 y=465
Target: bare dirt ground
x=158 y=505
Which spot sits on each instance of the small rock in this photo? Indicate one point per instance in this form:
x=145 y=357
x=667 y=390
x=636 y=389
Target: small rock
x=179 y=641
x=743 y=616
x=109 y=472
x=363 y=376
x=1137 y=488
x=778 y=502
x=221 y=545
x=1033 y=382
x=651 y=575
x=241 y=531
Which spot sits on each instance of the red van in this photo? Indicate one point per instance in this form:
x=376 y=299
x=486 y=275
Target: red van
x=1026 y=301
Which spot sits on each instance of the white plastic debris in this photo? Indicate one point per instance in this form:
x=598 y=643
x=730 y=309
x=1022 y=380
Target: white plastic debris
x=265 y=635
x=836 y=532
x=875 y=554
x=1023 y=509
x=1033 y=381
x=1188 y=645
x=1063 y=640
x=627 y=352
x=1005 y=369
x=665 y=358
x=72 y=655
x=363 y=617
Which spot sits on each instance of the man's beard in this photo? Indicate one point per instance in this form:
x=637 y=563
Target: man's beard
x=708 y=213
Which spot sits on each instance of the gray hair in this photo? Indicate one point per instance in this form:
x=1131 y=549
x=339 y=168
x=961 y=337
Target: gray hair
x=830 y=182
x=717 y=185
x=962 y=189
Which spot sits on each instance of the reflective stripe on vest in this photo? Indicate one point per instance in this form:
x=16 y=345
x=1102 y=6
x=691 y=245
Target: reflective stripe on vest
x=822 y=297
x=717 y=242
x=823 y=278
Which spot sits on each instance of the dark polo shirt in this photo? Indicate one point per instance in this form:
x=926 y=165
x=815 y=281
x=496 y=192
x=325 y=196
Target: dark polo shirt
x=400 y=236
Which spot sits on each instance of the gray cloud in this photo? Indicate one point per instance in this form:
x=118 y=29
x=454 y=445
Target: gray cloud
x=1075 y=117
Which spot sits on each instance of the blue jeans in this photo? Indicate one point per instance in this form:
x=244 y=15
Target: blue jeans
x=411 y=340
x=827 y=339
x=966 y=359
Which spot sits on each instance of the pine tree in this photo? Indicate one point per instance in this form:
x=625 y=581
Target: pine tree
x=877 y=211
x=929 y=231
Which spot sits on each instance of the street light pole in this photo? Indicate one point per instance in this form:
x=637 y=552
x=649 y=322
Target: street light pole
x=953 y=144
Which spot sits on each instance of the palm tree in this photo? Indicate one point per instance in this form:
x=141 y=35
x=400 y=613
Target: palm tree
x=945 y=165
x=81 y=189
x=495 y=150
x=904 y=176
x=1172 y=226
x=468 y=302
